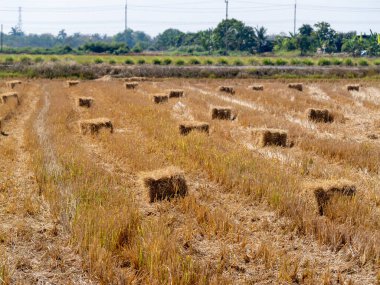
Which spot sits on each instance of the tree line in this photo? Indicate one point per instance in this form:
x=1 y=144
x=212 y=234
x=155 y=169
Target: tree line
x=230 y=36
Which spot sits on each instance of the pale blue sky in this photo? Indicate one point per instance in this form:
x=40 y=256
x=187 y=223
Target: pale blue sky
x=153 y=17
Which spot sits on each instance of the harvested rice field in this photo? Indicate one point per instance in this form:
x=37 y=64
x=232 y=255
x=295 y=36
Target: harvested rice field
x=258 y=183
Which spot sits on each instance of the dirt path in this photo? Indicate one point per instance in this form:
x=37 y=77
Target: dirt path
x=35 y=246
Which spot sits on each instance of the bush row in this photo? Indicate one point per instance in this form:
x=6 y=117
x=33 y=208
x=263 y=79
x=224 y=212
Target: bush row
x=196 y=61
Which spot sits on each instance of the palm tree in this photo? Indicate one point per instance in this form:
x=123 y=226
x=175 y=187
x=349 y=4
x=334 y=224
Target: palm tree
x=261 y=39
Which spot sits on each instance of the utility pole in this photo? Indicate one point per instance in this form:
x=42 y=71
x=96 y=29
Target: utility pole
x=295 y=16
x=19 y=19
x=226 y=32
x=1 y=38
x=226 y=9
x=126 y=21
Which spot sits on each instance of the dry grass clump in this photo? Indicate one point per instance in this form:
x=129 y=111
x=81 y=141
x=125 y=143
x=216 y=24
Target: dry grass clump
x=12 y=84
x=138 y=79
x=264 y=137
x=256 y=87
x=5 y=97
x=176 y=93
x=353 y=87
x=131 y=85
x=319 y=115
x=221 y=113
x=326 y=190
x=71 y=83
x=85 y=102
x=297 y=86
x=165 y=184
x=160 y=98
x=93 y=126
x=186 y=127
x=227 y=89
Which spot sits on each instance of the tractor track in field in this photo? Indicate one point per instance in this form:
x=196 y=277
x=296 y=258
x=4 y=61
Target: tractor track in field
x=256 y=225
x=36 y=246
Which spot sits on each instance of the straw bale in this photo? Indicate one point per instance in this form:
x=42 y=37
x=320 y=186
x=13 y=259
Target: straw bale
x=221 y=113
x=227 y=89
x=188 y=126
x=319 y=115
x=94 y=126
x=160 y=98
x=176 y=93
x=297 y=86
x=323 y=191
x=6 y=97
x=85 y=102
x=266 y=137
x=165 y=184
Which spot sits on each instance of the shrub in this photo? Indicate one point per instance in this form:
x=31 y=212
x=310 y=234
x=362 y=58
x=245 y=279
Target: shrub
x=295 y=61
x=337 y=61
x=377 y=62
x=38 y=59
x=363 y=62
x=238 y=62
x=254 y=61
x=324 y=62
x=223 y=61
x=98 y=60
x=141 y=61
x=9 y=60
x=268 y=61
x=349 y=62
x=281 y=61
x=54 y=59
x=194 y=61
x=26 y=60
x=208 y=62
x=157 y=61
x=308 y=62
x=167 y=61
x=129 y=61
x=112 y=61
x=180 y=62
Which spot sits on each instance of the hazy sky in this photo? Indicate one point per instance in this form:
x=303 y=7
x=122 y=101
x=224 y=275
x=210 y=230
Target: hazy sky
x=153 y=17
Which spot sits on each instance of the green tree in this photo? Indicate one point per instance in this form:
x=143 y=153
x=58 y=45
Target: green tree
x=169 y=38
x=305 y=40
x=325 y=37
x=234 y=35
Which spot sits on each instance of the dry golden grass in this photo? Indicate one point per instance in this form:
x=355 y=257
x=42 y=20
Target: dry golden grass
x=211 y=236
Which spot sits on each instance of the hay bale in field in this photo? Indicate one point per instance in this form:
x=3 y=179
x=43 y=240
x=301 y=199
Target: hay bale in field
x=188 y=126
x=265 y=137
x=227 y=89
x=71 y=83
x=354 y=87
x=257 y=87
x=131 y=85
x=85 y=102
x=160 y=98
x=165 y=184
x=319 y=115
x=324 y=191
x=221 y=113
x=297 y=86
x=176 y=93
x=138 y=79
x=93 y=126
x=5 y=97
x=12 y=84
